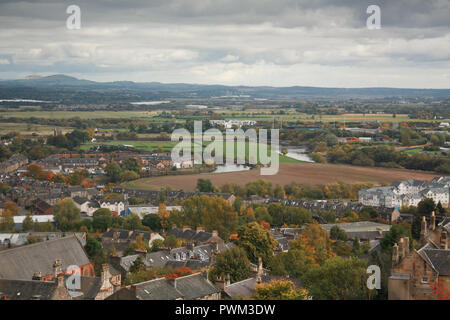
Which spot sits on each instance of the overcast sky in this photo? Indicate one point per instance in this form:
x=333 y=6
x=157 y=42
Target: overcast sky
x=235 y=42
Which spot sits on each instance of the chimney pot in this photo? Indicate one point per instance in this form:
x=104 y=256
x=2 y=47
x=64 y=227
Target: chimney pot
x=433 y=221
x=37 y=276
x=200 y=229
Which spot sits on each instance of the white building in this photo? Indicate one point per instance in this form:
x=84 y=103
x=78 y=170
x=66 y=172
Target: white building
x=407 y=193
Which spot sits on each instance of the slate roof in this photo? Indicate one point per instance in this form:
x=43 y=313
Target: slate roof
x=22 y=262
x=158 y=289
x=80 y=200
x=157 y=259
x=146 y=235
x=175 y=264
x=439 y=259
x=27 y=289
x=188 y=288
x=195 y=286
x=189 y=234
x=121 y=234
x=90 y=286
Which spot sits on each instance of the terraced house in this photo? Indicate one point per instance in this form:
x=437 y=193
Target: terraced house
x=407 y=193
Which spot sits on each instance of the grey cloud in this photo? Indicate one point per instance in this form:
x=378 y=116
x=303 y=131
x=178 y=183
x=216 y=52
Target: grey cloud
x=189 y=40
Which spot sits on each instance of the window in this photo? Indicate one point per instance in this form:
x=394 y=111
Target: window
x=424 y=280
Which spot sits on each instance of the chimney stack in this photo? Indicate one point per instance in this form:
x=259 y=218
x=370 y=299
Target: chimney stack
x=212 y=259
x=423 y=230
x=401 y=248
x=215 y=233
x=57 y=268
x=259 y=271
x=380 y=231
x=433 y=221
x=395 y=253
x=444 y=240
x=406 y=246
x=105 y=276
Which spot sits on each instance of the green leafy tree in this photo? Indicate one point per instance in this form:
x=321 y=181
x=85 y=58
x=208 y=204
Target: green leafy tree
x=95 y=252
x=156 y=245
x=102 y=219
x=337 y=233
x=426 y=206
x=113 y=171
x=233 y=262
x=205 y=185
x=396 y=232
x=152 y=221
x=131 y=165
x=128 y=175
x=356 y=248
x=172 y=242
x=338 y=279
x=137 y=265
x=294 y=263
x=66 y=215
x=133 y=222
x=27 y=223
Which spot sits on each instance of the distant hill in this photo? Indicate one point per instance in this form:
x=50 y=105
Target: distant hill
x=69 y=83
x=54 y=80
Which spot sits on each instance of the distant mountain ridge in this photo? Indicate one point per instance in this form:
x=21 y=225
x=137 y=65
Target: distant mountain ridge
x=72 y=83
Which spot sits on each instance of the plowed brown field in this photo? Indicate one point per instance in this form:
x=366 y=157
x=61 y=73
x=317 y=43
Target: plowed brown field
x=306 y=173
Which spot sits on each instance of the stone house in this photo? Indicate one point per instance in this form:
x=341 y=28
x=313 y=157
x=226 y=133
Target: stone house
x=415 y=273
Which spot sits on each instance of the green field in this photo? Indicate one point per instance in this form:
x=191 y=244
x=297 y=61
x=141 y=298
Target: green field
x=152 y=146
x=25 y=128
x=248 y=114
x=146 y=115
x=140 y=145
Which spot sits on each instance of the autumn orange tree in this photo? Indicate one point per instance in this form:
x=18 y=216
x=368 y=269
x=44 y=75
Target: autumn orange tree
x=314 y=240
x=312 y=248
x=6 y=220
x=10 y=208
x=36 y=172
x=180 y=272
x=213 y=213
x=257 y=242
x=163 y=215
x=139 y=244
